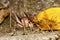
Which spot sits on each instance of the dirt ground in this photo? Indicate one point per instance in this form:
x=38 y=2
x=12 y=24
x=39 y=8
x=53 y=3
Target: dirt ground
x=31 y=36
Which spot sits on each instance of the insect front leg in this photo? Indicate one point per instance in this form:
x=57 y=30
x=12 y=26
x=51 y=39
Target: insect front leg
x=31 y=26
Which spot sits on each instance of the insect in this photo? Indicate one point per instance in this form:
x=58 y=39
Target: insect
x=48 y=19
x=23 y=22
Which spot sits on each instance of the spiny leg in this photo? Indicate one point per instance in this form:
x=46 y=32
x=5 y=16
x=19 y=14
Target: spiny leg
x=24 y=31
x=39 y=28
x=24 y=26
x=45 y=22
x=31 y=26
x=14 y=30
x=49 y=28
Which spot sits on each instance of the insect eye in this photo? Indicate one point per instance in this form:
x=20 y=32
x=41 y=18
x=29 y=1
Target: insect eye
x=0 y=8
